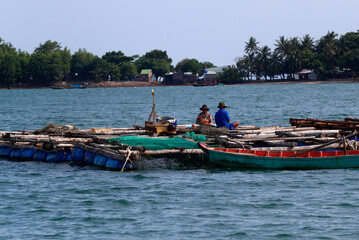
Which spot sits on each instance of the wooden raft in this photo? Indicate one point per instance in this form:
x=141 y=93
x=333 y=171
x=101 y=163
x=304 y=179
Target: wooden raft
x=88 y=143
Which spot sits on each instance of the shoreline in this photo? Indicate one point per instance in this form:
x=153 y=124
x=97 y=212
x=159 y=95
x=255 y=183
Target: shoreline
x=107 y=84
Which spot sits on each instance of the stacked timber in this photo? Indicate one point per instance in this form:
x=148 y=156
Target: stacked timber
x=58 y=144
x=349 y=124
x=285 y=139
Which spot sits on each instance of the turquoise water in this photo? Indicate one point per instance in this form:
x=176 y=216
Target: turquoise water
x=60 y=201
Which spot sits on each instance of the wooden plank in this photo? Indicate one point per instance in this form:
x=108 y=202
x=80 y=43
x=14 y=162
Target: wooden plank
x=271 y=138
x=299 y=148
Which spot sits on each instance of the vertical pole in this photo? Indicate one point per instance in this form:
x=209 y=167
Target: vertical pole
x=356 y=142
x=345 y=146
x=153 y=106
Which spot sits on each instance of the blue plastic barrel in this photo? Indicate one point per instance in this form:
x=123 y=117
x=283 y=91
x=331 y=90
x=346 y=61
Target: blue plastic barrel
x=27 y=154
x=68 y=155
x=112 y=163
x=12 y=152
x=100 y=160
x=51 y=157
x=128 y=165
x=89 y=158
x=62 y=156
x=40 y=155
x=78 y=155
x=16 y=154
x=5 y=151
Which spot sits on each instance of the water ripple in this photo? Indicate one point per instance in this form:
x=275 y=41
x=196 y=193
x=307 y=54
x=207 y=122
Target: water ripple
x=59 y=201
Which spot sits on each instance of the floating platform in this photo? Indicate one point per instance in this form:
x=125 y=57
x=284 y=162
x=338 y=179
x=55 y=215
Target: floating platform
x=65 y=144
x=105 y=148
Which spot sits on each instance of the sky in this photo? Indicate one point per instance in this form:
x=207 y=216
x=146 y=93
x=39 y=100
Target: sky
x=207 y=30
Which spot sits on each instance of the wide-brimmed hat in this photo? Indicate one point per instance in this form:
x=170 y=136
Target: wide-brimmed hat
x=221 y=104
x=204 y=107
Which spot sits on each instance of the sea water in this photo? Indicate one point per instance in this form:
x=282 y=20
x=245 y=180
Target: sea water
x=59 y=201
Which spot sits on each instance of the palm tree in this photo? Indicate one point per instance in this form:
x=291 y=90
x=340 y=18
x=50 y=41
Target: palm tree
x=243 y=66
x=263 y=60
x=251 y=49
x=289 y=51
x=282 y=51
x=294 y=55
x=282 y=46
x=327 y=49
x=251 y=46
x=307 y=43
x=276 y=65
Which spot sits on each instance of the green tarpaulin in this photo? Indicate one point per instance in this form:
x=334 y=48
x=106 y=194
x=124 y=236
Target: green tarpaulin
x=156 y=143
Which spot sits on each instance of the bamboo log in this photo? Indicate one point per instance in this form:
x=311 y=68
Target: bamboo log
x=138 y=132
x=325 y=144
x=65 y=139
x=65 y=145
x=105 y=152
x=28 y=136
x=352 y=119
x=172 y=151
x=271 y=130
x=299 y=148
x=271 y=139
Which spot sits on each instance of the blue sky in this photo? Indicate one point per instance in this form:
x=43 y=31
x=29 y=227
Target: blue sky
x=208 y=30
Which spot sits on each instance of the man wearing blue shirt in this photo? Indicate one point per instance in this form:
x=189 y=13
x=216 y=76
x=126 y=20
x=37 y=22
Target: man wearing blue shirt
x=222 y=118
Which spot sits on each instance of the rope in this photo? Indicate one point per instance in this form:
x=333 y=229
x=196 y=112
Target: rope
x=127 y=158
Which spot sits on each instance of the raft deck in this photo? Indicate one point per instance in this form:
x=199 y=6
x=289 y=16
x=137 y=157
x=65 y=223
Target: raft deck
x=66 y=144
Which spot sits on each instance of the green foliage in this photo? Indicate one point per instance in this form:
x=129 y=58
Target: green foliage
x=263 y=62
x=81 y=63
x=156 y=60
x=328 y=50
x=330 y=56
x=102 y=70
x=13 y=64
x=231 y=75
x=22 y=70
x=125 y=63
x=349 y=46
x=48 y=47
x=189 y=65
x=49 y=63
x=128 y=70
x=118 y=58
x=193 y=65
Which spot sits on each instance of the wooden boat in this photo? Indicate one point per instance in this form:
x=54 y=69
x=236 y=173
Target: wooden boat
x=79 y=86
x=58 y=88
x=204 y=83
x=239 y=158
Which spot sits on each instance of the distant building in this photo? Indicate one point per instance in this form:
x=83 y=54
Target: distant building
x=305 y=74
x=180 y=78
x=145 y=75
x=211 y=74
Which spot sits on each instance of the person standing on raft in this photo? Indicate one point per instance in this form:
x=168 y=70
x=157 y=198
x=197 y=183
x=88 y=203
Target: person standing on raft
x=222 y=118
x=204 y=117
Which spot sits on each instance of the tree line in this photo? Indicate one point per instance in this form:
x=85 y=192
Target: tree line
x=51 y=63
x=331 y=56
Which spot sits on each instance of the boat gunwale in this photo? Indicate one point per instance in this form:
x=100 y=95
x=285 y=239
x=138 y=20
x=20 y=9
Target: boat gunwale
x=281 y=154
